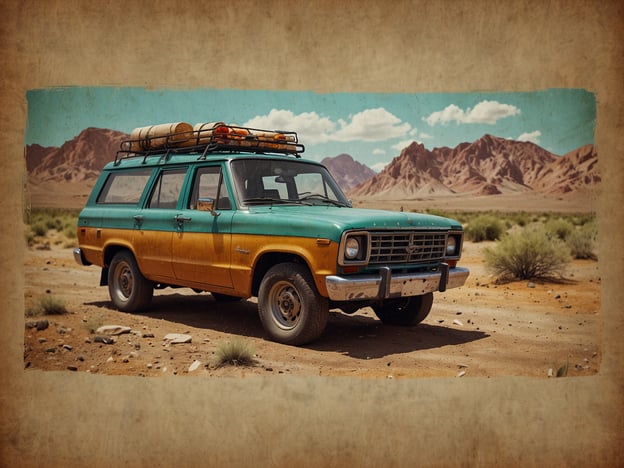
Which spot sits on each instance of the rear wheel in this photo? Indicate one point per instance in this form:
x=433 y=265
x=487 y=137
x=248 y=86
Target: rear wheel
x=129 y=290
x=405 y=311
x=291 y=310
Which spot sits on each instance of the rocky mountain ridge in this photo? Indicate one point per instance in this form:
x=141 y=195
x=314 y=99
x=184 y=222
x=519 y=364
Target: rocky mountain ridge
x=487 y=166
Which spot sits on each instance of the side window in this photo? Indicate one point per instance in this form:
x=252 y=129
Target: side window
x=209 y=184
x=124 y=187
x=167 y=189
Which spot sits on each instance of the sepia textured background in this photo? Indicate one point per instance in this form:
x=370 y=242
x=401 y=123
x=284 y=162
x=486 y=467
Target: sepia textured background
x=70 y=419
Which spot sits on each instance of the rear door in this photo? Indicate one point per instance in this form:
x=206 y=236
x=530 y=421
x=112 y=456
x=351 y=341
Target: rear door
x=157 y=222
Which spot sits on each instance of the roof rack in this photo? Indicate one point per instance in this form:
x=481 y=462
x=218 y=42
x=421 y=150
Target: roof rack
x=204 y=138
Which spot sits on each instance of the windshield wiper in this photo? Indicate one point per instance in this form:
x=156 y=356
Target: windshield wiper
x=323 y=198
x=264 y=200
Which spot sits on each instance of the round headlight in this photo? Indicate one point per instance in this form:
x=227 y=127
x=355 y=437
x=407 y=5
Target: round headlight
x=451 y=245
x=352 y=248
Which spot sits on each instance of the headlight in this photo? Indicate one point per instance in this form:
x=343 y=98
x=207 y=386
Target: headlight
x=352 y=248
x=451 y=245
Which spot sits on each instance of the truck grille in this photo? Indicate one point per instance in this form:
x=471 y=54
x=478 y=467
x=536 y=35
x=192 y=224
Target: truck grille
x=407 y=247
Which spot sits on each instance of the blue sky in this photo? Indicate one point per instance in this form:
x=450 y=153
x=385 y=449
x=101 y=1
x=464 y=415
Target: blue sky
x=371 y=127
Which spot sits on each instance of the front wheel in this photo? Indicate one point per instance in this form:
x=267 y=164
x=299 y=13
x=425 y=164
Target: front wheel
x=129 y=290
x=291 y=310
x=405 y=311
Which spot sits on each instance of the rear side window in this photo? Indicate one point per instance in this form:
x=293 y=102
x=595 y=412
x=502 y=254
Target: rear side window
x=124 y=187
x=167 y=189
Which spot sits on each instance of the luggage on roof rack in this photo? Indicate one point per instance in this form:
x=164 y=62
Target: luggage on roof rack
x=205 y=138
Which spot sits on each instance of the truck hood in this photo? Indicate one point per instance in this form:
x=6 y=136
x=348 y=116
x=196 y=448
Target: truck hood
x=329 y=221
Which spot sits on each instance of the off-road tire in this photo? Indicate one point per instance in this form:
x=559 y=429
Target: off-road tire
x=291 y=310
x=406 y=311
x=129 y=290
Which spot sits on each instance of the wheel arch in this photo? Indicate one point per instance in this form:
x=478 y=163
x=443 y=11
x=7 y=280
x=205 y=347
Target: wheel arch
x=108 y=253
x=269 y=259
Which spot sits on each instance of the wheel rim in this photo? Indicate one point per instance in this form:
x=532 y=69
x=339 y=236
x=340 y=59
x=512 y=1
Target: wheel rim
x=124 y=281
x=285 y=304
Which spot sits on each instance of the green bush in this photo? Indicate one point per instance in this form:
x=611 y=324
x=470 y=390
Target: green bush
x=236 y=353
x=559 y=227
x=47 y=305
x=39 y=229
x=529 y=254
x=485 y=228
x=582 y=242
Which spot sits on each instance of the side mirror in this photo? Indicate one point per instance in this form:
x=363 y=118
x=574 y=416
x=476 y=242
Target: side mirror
x=207 y=204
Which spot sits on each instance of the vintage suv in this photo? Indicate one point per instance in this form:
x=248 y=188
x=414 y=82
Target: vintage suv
x=237 y=212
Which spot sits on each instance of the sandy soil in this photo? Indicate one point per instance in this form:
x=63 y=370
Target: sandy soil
x=481 y=329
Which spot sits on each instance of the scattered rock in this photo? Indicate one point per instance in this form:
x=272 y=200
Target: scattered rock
x=461 y=374
x=72 y=368
x=67 y=347
x=148 y=335
x=194 y=366
x=177 y=338
x=113 y=330
x=531 y=285
x=457 y=322
x=38 y=324
x=103 y=339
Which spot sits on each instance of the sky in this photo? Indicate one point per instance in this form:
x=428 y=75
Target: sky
x=371 y=127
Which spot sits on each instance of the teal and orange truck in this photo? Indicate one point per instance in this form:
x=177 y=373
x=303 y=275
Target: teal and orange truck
x=237 y=212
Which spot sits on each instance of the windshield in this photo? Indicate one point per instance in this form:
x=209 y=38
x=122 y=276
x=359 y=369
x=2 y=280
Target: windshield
x=272 y=181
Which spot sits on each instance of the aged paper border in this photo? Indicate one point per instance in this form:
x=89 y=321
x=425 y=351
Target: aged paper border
x=367 y=46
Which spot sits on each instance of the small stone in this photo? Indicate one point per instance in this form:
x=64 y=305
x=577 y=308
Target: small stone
x=72 y=368
x=42 y=340
x=461 y=374
x=149 y=365
x=177 y=338
x=80 y=358
x=113 y=330
x=551 y=372
x=148 y=335
x=110 y=359
x=530 y=285
x=67 y=347
x=194 y=366
x=51 y=350
x=457 y=322
x=103 y=339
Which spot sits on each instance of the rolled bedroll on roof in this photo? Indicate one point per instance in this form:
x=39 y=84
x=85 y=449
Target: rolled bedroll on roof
x=162 y=135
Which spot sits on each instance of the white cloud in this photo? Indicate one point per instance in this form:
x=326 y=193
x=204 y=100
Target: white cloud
x=533 y=137
x=485 y=112
x=371 y=125
x=379 y=152
x=367 y=125
x=310 y=126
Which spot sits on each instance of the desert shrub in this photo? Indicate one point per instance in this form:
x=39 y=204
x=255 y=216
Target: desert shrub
x=485 y=227
x=529 y=254
x=559 y=227
x=69 y=231
x=39 y=229
x=582 y=242
x=235 y=353
x=47 y=305
x=93 y=323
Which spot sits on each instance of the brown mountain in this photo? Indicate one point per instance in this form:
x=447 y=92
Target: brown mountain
x=488 y=166
x=347 y=171
x=80 y=159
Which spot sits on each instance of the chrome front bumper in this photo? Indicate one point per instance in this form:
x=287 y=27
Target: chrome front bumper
x=80 y=260
x=385 y=285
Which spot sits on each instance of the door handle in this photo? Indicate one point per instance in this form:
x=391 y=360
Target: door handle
x=138 y=218
x=181 y=219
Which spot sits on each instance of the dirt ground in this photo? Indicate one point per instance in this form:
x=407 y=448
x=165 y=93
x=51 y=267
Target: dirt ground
x=481 y=329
